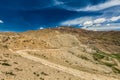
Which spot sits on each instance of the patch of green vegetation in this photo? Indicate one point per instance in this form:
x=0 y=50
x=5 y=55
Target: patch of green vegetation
x=99 y=55
x=117 y=56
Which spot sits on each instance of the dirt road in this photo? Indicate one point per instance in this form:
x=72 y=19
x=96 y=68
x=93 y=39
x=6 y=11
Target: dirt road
x=75 y=72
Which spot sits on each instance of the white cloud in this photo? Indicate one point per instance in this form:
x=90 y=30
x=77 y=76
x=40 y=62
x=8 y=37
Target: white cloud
x=85 y=21
x=41 y=28
x=98 y=25
x=88 y=23
x=76 y=21
x=56 y=2
x=104 y=28
x=115 y=18
x=92 y=23
x=108 y=24
x=99 y=20
x=1 y=21
x=101 y=6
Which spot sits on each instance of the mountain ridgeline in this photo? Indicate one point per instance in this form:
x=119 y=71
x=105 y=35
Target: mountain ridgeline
x=93 y=52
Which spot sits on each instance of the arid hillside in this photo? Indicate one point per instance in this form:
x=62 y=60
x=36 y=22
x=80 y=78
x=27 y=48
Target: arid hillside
x=60 y=54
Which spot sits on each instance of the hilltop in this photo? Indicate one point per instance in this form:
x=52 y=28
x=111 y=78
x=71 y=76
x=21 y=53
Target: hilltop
x=41 y=54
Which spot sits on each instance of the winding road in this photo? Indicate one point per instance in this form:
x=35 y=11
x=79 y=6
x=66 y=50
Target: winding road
x=75 y=72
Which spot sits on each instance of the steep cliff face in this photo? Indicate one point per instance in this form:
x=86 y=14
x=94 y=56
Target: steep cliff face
x=96 y=53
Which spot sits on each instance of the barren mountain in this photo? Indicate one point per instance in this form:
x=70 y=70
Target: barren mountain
x=60 y=54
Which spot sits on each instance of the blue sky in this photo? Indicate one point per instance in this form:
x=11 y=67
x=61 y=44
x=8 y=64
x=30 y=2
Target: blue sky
x=23 y=15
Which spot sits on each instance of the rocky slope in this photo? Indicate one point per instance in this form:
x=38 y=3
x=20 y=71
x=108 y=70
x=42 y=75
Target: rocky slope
x=95 y=53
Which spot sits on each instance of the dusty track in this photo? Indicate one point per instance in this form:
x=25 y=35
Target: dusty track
x=75 y=72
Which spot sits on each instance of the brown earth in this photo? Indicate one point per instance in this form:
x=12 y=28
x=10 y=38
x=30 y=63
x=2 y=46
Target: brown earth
x=60 y=54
